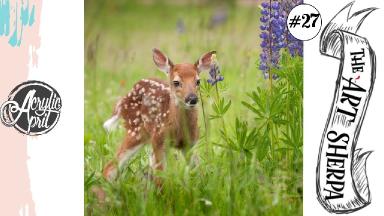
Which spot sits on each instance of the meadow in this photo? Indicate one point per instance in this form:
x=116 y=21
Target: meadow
x=250 y=145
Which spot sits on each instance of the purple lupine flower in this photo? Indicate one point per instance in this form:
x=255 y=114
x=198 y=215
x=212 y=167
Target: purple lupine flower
x=275 y=5
x=265 y=4
x=272 y=35
x=215 y=72
x=219 y=17
x=180 y=26
x=295 y=46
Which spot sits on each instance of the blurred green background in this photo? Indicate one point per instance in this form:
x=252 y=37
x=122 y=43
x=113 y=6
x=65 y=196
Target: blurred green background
x=119 y=37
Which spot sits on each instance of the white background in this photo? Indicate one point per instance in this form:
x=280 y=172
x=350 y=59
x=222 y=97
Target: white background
x=56 y=159
x=320 y=73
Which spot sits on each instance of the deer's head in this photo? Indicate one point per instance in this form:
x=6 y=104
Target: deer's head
x=184 y=78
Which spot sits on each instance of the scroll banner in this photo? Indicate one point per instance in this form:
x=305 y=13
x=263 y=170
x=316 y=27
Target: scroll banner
x=341 y=179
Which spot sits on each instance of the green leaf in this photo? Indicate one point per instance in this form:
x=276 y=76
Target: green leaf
x=262 y=151
x=226 y=107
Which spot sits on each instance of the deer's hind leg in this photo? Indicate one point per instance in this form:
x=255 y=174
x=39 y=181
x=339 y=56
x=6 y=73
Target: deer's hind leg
x=131 y=144
x=156 y=161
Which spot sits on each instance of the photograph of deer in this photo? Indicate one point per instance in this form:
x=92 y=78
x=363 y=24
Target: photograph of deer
x=155 y=109
x=219 y=135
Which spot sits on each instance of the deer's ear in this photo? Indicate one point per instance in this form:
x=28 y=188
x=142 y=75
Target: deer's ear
x=162 y=61
x=204 y=61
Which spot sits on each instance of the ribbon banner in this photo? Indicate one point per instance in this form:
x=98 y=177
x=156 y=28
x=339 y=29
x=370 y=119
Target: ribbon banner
x=341 y=180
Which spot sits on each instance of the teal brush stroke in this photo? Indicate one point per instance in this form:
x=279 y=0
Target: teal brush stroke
x=4 y=17
x=13 y=40
x=24 y=16
x=27 y=18
x=32 y=17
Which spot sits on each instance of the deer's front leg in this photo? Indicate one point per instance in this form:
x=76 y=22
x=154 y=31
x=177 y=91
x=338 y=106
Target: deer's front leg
x=194 y=160
x=157 y=161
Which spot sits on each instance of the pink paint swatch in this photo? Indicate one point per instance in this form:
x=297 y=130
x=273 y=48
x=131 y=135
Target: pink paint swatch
x=15 y=193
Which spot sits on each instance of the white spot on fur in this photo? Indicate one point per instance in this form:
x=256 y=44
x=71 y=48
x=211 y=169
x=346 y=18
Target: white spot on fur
x=152 y=110
x=146 y=101
x=138 y=137
x=145 y=118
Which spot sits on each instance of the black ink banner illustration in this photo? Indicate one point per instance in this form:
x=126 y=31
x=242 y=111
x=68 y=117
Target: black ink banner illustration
x=341 y=179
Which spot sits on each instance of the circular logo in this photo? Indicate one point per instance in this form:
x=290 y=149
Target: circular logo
x=33 y=108
x=304 y=22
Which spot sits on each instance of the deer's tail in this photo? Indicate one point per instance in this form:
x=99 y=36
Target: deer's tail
x=112 y=122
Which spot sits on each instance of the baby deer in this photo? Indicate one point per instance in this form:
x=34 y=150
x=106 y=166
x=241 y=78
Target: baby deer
x=155 y=110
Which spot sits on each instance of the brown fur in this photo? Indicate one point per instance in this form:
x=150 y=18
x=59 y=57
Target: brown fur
x=150 y=113
x=155 y=110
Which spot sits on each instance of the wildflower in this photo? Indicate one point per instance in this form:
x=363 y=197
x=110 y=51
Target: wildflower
x=180 y=26
x=214 y=71
x=272 y=35
x=206 y=201
x=122 y=83
x=295 y=46
x=275 y=35
x=219 y=17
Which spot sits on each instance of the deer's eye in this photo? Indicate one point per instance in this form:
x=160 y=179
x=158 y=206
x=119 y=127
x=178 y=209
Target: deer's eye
x=176 y=83
x=198 y=82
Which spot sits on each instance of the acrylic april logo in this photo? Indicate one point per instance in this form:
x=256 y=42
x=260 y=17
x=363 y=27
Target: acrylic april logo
x=33 y=108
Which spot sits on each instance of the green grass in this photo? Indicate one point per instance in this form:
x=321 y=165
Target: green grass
x=119 y=39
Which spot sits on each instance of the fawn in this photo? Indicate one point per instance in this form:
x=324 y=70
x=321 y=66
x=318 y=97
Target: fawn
x=155 y=110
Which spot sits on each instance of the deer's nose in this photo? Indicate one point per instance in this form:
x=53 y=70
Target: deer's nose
x=191 y=99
